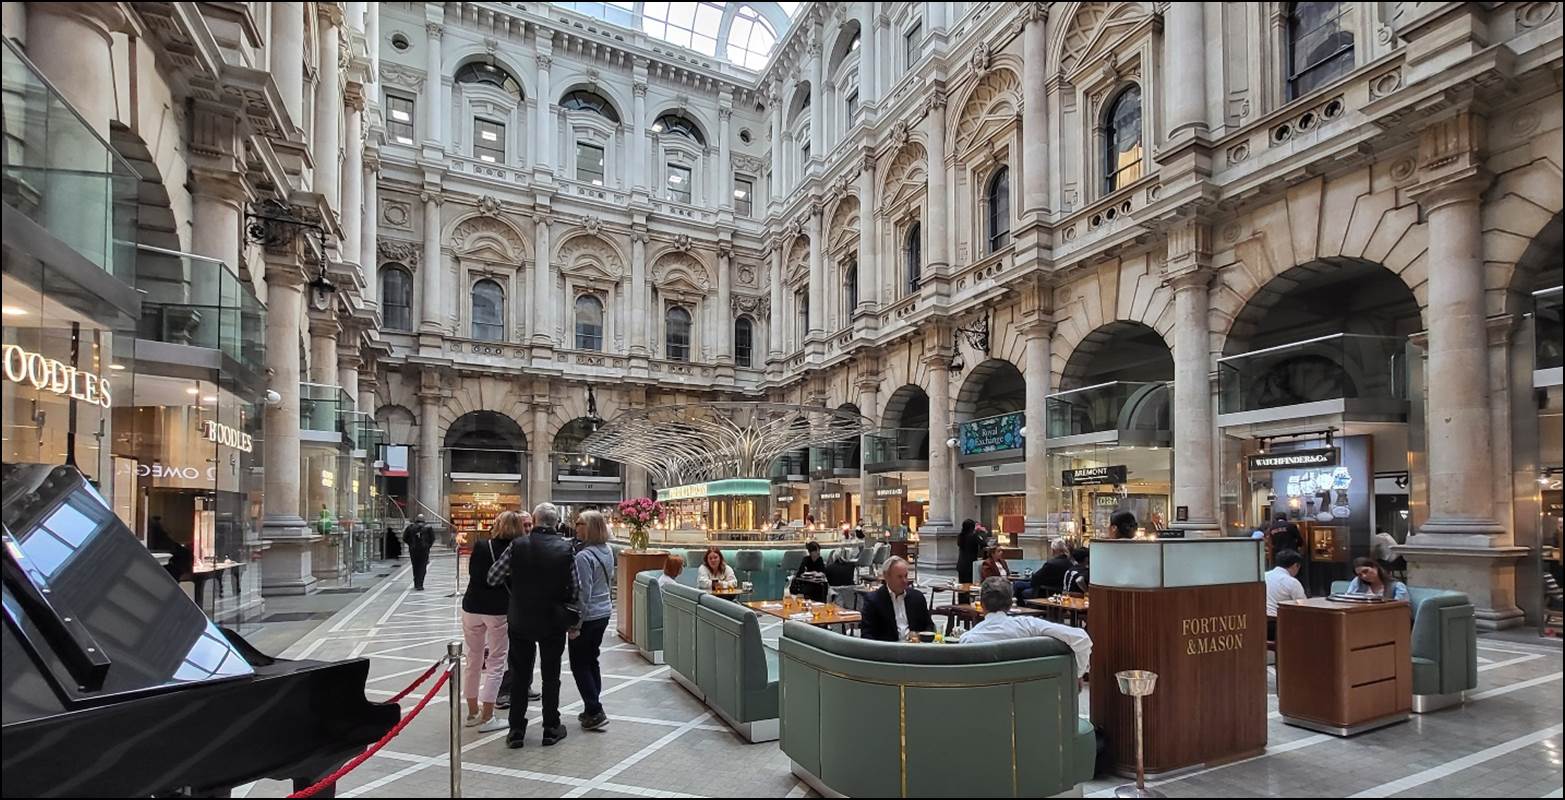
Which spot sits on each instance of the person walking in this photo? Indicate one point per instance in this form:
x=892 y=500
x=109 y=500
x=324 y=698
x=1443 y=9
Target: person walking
x=594 y=576
x=484 y=624
x=541 y=571
x=419 y=539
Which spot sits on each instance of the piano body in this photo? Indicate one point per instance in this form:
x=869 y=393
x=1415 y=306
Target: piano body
x=117 y=685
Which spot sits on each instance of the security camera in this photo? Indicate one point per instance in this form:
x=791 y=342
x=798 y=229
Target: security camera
x=273 y=398
x=951 y=442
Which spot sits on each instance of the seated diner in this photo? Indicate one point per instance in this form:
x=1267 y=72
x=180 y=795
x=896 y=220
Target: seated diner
x=999 y=624
x=896 y=612
x=714 y=571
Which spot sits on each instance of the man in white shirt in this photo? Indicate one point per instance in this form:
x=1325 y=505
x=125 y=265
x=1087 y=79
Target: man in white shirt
x=1282 y=585
x=672 y=566
x=998 y=624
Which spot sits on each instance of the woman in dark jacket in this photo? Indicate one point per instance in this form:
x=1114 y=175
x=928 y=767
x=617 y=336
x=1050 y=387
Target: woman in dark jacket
x=968 y=547
x=812 y=563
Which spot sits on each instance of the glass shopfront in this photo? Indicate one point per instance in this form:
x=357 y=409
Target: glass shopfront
x=1092 y=483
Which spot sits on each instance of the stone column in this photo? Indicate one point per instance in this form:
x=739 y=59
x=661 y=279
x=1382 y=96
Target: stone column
x=431 y=268
x=938 y=259
x=543 y=107
x=1193 y=425
x=817 y=105
x=869 y=263
x=287 y=565
x=1040 y=336
x=327 y=144
x=1035 y=115
x=1463 y=545
x=638 y=293
x=543 y=283
x=775 y=182
x=638 y=139
x=353 y=179
x=348 y=371
x=217 y=186
x=725 y=158
x=285 y=50
x=813 y=325
x=372 y=38
x=778 y=320
x=1184 y=56
x=541 y=470
x=72 y=45
x=323 y=348
x=367 y=382
x=868 y=385
x=940 y=526
x=430 y=483
x=869 y=67
x=434 y=88
x=369 y=230
x=724 y=316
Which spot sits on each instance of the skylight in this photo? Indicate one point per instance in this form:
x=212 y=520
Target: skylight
x=741 y=33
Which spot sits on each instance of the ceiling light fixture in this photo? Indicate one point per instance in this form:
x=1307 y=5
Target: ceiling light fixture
x=15 y=311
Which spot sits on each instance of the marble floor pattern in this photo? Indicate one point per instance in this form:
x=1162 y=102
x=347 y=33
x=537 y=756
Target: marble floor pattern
x=662 y=742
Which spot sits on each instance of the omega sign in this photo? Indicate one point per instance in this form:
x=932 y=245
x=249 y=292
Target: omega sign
x=227 y=435
x=50 y=375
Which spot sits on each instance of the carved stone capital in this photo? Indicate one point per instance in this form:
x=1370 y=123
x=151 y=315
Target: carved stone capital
x=434 y=29
x=545 y=62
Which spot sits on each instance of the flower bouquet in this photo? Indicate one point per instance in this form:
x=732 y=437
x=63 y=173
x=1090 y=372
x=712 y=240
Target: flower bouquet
x=638 y=513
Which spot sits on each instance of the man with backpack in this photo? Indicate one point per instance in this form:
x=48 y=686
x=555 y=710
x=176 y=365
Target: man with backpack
x=419 y=539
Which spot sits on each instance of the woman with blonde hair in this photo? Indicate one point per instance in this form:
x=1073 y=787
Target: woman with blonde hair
x=484 y=628
x=594 y=576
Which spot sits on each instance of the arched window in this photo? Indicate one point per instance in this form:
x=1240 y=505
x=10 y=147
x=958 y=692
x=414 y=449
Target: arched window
x=679 y=125
x=999 y=202
x=850 y=288
x=914 y=251
x=396 y=297
x=589 y=323
x=744 y=330
x=1122 y=140
x=488 y=311
x=1320 y=46
x=583 y=100
x=491 y=75
x=676 y=333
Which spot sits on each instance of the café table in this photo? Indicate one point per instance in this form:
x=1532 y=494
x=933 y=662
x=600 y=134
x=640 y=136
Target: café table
x=733 y=593
x=969 y=614
x=831 y=616
x=1068 y=610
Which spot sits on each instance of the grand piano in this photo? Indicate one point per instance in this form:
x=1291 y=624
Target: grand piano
x=116 y=684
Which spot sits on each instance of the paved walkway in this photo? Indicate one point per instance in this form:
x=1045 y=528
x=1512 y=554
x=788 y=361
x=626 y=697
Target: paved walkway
x=663 y=743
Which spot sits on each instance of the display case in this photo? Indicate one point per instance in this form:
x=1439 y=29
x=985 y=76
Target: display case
x=472 y=512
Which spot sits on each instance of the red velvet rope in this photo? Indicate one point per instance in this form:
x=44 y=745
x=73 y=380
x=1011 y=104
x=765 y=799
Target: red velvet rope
x=416 y=681
x=375 y=748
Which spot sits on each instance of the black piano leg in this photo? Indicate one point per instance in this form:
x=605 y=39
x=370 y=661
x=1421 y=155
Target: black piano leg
x=329 y=790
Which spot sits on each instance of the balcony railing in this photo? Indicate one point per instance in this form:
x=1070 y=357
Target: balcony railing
x=995 y=434
x=1104 y=407
x=1370 y=372
x=190 y=299
x=909 y=446
x=323 y=407
x=58 y=172
x=584 y=467
x=1549 y=332
x=827 y=460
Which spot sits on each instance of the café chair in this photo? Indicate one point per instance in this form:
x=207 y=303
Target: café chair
x=747 y=563
x=866 y=558
x=882 y=552
x=679 y=635
x=1444 y=647
x=646 y=629
x=791 y=561
x=738 y=672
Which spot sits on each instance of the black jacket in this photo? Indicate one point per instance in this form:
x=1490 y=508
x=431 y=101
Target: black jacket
x=1051 y=576
x=880 y=617
x=816 y=564
x=419 y=539
x=480 y=597
x=543 y=586
x=969 y=546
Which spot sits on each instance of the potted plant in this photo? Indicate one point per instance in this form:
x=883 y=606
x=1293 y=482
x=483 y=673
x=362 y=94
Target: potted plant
x=639 y=513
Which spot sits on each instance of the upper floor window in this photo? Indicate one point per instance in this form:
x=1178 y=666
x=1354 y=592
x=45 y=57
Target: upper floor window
x=396 y=297
x=676 y=333
x=399 y=118
x=679 y=125
x=1122 y=149
x=488 y=311
x=620 y=13
x=744 y=331
x=589 y=323
x=801 y=303
x=490 y=75
x=804 y=154
x=850 y=287
x=589 y=163
x=999 y=202
x=679 y=183
x=912 y=45
x=488 y=141
x=913 y=251
x=583 y=100
x=1320 y=45
x=852 y=106
x=744 y=196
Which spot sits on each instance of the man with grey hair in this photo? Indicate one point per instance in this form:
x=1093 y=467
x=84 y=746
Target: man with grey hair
x=1050 y=577
x=998 y=624
x=547 y=517
x=896 y=610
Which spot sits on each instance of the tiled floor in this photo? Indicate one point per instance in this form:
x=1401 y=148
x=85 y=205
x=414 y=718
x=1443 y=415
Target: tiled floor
x=663 y=743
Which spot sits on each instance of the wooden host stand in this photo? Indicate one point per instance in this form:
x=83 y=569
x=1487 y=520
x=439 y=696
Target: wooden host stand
x=1194 y=612
x=625 y=571
x=1344 y=668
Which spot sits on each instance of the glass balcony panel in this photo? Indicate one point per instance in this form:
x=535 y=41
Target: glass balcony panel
x=896 y=444
x=1118 y=405
x=1369 y=371
x=321 y=407
x=194 y=300
x=581 y=465
x=1549 y=333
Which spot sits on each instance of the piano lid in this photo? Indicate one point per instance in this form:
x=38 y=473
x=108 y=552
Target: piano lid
x=91 y=607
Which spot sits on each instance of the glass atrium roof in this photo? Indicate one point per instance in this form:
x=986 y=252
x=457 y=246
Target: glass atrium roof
x=741 y=33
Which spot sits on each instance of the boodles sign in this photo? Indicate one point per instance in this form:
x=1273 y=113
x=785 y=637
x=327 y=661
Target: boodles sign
x=50 y=375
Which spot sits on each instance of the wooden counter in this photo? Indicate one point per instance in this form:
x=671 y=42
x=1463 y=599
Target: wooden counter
x=625 y=570
x=1344 y=668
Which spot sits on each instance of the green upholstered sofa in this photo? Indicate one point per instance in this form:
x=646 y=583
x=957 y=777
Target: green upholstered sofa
x=646 y=625
x=679 y=635
x=879 y=719
x=1444 y=647
x=738 y=673
x=769 y=580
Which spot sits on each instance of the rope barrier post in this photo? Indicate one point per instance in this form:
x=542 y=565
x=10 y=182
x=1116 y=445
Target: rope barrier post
x=454 y=654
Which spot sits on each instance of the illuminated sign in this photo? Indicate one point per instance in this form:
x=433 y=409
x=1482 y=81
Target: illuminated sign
x=731 y=487
x=1322 y=457
x=170 y=471
x=228 y=435
x=895 y=491
x=1094 y=476
x=328 y=478
x=50 y=375
x=831 y=495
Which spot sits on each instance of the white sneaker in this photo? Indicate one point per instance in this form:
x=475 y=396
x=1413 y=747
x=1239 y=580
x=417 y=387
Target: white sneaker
x=494 y=724
x=470 y=721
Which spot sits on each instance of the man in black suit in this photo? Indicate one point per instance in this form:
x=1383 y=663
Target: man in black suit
x=541 y=570
x=1050 y=578
x=419 y=539
x=896 y=608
